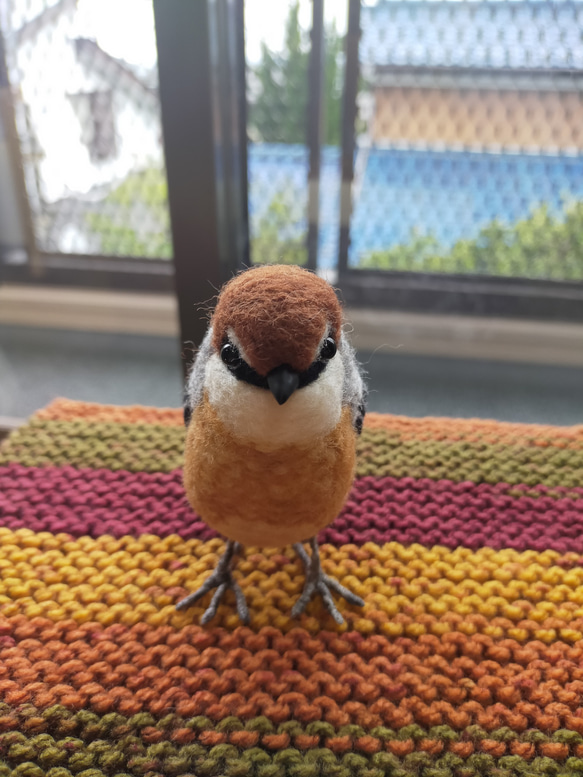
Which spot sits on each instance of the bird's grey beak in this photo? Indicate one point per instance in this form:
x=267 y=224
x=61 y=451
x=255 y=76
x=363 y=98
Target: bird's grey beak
x=282 y=382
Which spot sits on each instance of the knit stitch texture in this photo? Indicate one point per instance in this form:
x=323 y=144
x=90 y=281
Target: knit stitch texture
x=464 y=538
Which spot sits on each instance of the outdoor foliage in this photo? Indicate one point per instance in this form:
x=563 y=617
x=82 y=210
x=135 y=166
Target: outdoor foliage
x=276 y=236
x=135 y=222
x=279 y=113
x=140 y=224
x=544 y=245
x=541 y=246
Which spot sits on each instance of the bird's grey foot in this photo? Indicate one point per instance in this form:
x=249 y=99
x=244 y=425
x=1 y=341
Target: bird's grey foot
x=318 y=582
x=222 y=579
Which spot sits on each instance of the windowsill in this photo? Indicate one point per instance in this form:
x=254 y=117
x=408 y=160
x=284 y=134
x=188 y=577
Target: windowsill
x=8 y=425
x=468 y=337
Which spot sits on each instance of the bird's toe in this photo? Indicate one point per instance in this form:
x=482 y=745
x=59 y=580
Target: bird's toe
x=324 y=585
x=222 y=580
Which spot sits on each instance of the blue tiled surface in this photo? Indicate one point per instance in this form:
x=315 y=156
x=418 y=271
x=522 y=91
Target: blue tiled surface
x=518 y=34
x=274 y=168
x=278 y=168
x=453 y=194
x=450 y=194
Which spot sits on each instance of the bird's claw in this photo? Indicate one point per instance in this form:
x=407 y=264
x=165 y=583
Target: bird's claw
x=318 y=582
x=323 y=586
x=222 y=579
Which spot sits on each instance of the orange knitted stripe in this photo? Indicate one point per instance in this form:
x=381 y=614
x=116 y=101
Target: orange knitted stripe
x=92 y=412
x=455 y=680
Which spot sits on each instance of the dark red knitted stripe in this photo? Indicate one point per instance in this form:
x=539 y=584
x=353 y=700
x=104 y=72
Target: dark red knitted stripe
x=96 y=502
x=99 y=501
x=443 y=512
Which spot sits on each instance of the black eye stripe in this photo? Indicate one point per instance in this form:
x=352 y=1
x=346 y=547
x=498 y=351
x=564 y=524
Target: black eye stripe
x=242 y=371
x=313 y=372
x=247 y=374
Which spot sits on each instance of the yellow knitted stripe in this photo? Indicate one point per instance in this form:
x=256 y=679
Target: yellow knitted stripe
x=408 y=590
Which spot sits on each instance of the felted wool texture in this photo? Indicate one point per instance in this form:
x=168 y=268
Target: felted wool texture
x=354 y=392
x=266 y=498
x=279 y=314
x=253 y=415
x=195 y=383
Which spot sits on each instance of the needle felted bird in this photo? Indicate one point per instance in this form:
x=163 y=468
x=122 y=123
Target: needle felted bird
x=273 y=405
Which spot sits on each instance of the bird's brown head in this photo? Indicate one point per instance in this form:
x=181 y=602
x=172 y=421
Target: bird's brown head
x=279 y=314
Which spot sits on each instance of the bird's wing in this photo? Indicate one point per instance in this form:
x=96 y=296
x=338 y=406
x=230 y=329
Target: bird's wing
x=193 y=391
x=354 y=391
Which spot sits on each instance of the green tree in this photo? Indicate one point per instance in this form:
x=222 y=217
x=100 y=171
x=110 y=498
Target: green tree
x=276 y=236
x=142 y=198
x=332 y=91
x=279 y=113
x=543 y=245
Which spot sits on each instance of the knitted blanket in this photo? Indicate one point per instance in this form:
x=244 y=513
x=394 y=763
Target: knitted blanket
x=465 y=538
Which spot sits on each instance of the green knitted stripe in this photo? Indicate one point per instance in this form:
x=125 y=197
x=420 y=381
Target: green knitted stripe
x=383 y=454
x=40 y=757
x=59 y=743
x=137 y=448
x=157 y=448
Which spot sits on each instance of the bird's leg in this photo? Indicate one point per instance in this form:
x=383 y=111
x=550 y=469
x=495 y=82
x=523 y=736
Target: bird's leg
x=317 y=581
x=221 y=579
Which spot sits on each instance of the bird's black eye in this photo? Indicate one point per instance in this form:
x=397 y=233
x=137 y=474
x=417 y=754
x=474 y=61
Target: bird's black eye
x=230 y=355
x=328 y=349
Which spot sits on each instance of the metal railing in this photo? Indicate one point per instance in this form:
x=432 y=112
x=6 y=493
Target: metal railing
x=209 y=165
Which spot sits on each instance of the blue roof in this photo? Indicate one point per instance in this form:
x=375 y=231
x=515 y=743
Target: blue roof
x=515 y=34
x=450 y=194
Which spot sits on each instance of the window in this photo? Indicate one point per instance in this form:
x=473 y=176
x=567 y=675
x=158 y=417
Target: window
x=96 y=115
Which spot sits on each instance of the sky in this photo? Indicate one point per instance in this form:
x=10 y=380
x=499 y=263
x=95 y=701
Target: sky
x=265 y=20
x=131 y=38
x=125 y=28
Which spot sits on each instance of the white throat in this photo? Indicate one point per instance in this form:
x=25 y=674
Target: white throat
x=253 y=415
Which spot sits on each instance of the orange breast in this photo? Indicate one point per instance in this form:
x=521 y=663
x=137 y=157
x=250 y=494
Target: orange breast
x=266 y=499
